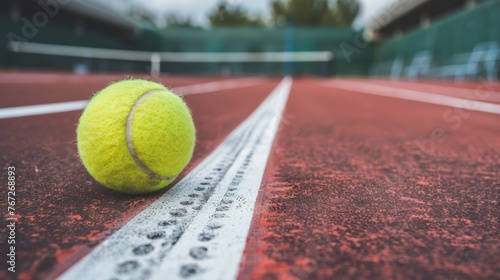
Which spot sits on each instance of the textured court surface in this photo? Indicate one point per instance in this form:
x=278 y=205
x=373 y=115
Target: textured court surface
x=357 y=186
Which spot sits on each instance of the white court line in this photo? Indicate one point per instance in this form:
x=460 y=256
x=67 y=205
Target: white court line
x=216 y=86
x=472 y=92
x=34 y=110
x=414 y=95
x=43 y=109
x=235 y=198
x=198 y=229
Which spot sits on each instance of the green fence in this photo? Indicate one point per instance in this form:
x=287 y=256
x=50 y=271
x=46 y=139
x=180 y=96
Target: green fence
x=67 y=29
x=338 y=41
x=349 y=58
x=462 y=44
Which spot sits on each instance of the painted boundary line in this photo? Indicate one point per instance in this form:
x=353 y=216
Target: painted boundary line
x=43 y=109
x=495 y=95
x=197 y=229
x=216 y=86
x=414 y=95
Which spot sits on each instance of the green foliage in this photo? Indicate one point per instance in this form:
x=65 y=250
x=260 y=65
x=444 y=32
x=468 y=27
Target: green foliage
x=314 y=12
x=144 y=16
x=232 y=15
x=346 y=11
x=175 y=20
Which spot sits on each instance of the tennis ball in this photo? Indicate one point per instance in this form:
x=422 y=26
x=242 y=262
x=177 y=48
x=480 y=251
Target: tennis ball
x=135 y=136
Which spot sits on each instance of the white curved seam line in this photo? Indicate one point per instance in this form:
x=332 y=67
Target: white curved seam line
x=130 y=145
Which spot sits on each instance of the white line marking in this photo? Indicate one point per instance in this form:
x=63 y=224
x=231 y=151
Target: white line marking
x=23 y=111
x=217 y=86
x=493 y=94
x=43 y=109
x=224 y=238
x=415 y=95
x=199 y=227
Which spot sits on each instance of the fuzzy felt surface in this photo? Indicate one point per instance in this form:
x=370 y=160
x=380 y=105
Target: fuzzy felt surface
x=163 y=136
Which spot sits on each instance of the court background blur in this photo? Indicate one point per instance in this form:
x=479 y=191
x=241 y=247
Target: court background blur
x=408 y=39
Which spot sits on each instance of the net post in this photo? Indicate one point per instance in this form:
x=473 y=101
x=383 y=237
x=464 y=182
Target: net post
x=330 y=65
x=155 y=64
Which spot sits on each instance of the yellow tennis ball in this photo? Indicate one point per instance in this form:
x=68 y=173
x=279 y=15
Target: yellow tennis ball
x=135 y=136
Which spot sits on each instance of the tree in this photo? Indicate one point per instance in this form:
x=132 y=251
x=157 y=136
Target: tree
x=231 y=15
x=144 y=16
x=314 y=12
x=175 y=20
x=346 y=11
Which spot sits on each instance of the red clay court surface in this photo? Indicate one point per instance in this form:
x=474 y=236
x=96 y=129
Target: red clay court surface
x=357 y=186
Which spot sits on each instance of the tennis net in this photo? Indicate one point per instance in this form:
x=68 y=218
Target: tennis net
x=84 y=59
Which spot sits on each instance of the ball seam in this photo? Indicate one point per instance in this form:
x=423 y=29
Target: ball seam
x=130 y=145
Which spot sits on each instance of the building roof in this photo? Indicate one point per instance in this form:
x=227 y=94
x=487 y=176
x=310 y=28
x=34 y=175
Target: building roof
x=99 y=12
x=403 y=15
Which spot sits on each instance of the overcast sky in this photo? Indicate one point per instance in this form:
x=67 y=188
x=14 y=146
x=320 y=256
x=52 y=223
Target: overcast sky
x=198 y=10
